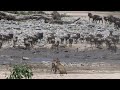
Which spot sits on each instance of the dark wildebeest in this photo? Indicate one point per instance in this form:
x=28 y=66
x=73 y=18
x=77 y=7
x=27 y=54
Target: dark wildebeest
x=111 y=33
x=87 y=38
x=36 y=37
x=105 y=19
x=99 y=40
x=32 y=40
x=111 y=42
x=66 y=37
x=1 y=43
x=111 y=19
x=90 y=16
x=50 y=38
x=95 y=17
x=111 y=45
x=10 y=36
x=55 y=45
x=108 y=42
x=6 y=38
x=75 y=37
x=26 y=43
x=115 y=39
x=9 y=17
x=56 y=15
x=117 y=24
x=82 y=38
x=15 y=41
x=46 y=20
x=92 y=40
x=39 y=36
x=62 y=40
x=70 y=42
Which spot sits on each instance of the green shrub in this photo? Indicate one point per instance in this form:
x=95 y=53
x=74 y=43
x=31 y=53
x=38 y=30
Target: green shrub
x=21 y=72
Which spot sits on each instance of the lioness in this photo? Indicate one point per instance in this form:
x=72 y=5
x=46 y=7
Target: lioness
x=56 y=65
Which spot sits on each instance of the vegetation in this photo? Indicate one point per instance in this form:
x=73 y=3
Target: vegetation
x=21 y=72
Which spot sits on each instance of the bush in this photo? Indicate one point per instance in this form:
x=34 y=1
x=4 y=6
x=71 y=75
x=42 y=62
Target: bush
x=21 y=72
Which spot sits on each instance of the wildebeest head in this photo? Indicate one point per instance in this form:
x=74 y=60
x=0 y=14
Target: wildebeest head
x=90 y=15
x=39 y=35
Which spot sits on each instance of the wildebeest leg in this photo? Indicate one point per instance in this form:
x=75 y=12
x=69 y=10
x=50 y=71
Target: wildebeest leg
x=102 y=21
x=96 y=21
x=70 y=45
x=0 y=45
x=75 y=41
x=95 y=44
x=91 y=44
x=55 y=70
x=89 y=19
x=66 y=41
x=14 y=44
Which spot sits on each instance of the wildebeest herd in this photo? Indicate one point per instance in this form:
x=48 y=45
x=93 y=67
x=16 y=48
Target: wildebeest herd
x=111 y=19
x=96 y=40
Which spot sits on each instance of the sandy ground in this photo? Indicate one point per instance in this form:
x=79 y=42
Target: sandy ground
x=4 y=74
x=78 y=76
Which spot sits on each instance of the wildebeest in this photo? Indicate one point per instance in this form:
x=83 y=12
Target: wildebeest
x=106 y=18
x=50 y=38
x=111 y=19
x=70 y=42
x=62 y=40
x=90 y=16
x=6 y=37
x=15 y=39
x=1 y=43
x=26 y=43
x=111 y=42
x=38 y=36
x=96 y=40
x=32 y=40
x=75 y=37
x=55 y=45
x=111 y=45
x=56 y=15
x=82 y=37
x=115 y=39
x=114 y=20
x=10 y=36
x=65 y=38
x=99 y=42
x=95 y=17
x=117 y=24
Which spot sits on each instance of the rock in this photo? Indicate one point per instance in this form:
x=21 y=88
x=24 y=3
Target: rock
x=65 y=51
x=25 y=58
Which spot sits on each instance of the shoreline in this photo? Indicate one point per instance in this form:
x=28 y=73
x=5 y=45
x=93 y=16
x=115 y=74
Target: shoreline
x=36 y=75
